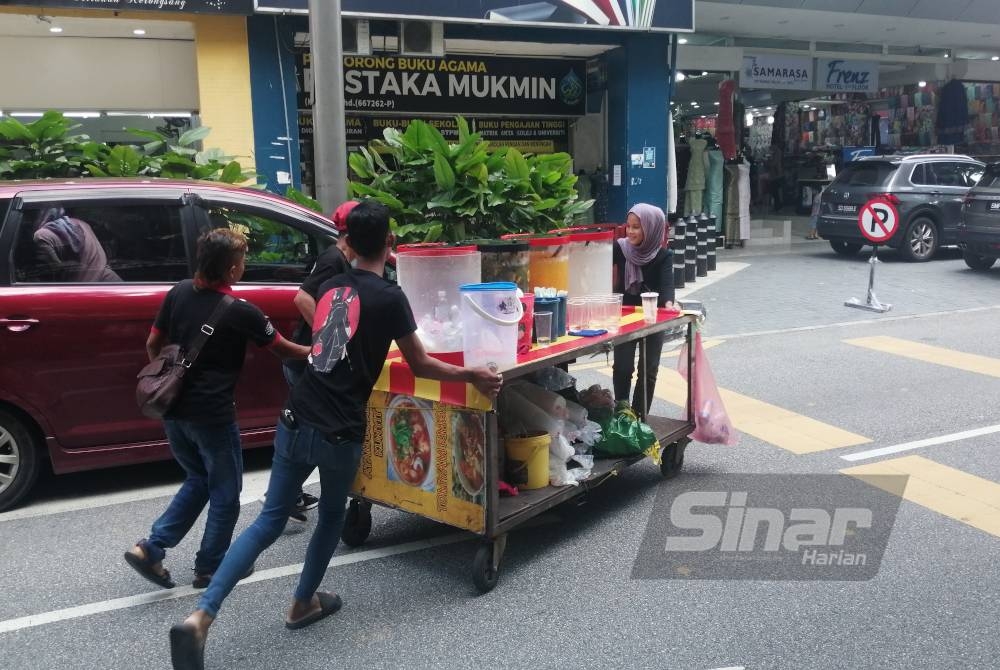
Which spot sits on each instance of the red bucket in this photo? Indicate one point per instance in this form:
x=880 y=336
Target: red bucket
x=525 y=324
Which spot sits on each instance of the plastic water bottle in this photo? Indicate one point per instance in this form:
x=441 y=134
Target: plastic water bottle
x=442 y=312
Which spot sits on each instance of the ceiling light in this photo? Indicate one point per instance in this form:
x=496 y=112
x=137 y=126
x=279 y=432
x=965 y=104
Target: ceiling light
x=704 y=74
x=945 y=54
x=770 y=120
x=55 y=29
x=682 y=40
x=138 y=31
x=995 y=58
x=921 y=84
x=679 y=76
x=716 y=103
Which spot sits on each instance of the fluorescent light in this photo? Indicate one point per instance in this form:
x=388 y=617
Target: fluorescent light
x=183 y=115
x=26 y=113
x=81 y=115
x=995 y=58
x=770 y=120
x=55 y=29
x=138 y=31
x=921 y=84
x=679 y=76
x=682 y=40
x=716 y=103
x=704 y=74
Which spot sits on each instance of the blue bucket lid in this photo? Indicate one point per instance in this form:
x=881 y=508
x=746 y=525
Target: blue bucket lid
x=490 y=286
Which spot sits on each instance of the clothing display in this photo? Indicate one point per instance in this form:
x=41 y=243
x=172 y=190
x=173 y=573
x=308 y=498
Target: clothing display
x=695 y=184
x=725 y=130
x=732 y=209
x=953 y=113
x=744 y=199
x=713 y=187
x=672 y=182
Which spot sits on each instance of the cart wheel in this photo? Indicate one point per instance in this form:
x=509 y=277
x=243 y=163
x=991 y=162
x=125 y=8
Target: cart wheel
x=357 y=523
x=484 y=575
x=673 y=459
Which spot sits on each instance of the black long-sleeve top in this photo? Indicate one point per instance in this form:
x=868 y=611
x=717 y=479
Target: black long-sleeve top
x=657 y=275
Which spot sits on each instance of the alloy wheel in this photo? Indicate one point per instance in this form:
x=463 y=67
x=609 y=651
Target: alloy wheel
x=10 y=459
x=923 y=239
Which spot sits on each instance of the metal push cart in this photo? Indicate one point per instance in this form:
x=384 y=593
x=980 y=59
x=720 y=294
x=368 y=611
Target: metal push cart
x=486 y=513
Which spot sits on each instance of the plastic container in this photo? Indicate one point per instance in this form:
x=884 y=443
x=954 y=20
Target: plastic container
x=549 y=264
x=524 y=327
x=490 y=317
x=424 y=271
x=590 y=260
x=506 y=260
x=548 y=305
x=528 y=460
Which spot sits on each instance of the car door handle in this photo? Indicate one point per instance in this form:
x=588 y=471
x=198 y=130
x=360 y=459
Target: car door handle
x=18 y=325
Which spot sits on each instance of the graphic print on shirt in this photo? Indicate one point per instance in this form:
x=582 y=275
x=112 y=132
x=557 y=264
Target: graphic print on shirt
x=334 y=324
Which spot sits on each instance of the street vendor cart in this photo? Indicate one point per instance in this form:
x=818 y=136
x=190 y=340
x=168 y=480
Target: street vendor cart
x=435 y=448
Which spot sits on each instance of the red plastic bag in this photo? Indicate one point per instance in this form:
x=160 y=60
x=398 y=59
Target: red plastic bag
x=712 y=424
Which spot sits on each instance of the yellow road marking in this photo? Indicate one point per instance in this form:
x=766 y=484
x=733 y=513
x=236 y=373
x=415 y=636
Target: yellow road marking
x=706 y=344
x=956 y=494
x=778 y=426
x=983 y=365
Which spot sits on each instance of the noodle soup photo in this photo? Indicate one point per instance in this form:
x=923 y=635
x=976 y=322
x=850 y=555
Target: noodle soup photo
x=468 y=455
x=409 y=436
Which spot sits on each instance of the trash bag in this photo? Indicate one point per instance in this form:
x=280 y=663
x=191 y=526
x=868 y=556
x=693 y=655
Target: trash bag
x=712 y=424
x=625 y=435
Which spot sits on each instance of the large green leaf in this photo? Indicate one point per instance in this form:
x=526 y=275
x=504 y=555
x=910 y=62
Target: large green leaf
x=189 y=137
x=151 y=135
x=14 y=130
x=359 y=164
x=123 y=161
x=444 y=175
x=232 y=173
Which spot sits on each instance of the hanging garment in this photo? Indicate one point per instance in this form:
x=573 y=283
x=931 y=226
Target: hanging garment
x=725 y=130
x=953 y=113
x=695 y=184
x=713 y=187
x=744 y=189
x=732 y=208
x=671 y=166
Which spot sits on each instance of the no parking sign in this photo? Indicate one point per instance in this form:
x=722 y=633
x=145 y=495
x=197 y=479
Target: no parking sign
x=878 y=220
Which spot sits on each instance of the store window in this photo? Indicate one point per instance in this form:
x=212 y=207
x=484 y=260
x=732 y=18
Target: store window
x=100 y=242
x=276 y=251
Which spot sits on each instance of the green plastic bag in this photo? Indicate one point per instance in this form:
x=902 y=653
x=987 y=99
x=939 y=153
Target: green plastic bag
x=624 y=435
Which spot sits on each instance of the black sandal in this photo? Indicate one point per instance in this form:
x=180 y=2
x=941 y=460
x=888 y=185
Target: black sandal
x=187 y=652
x=329 y=603
x=144 y=567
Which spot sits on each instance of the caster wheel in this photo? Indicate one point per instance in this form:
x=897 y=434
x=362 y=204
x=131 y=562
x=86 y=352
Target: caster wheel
x=484 y=575
x=357 y=524
x=672 y=459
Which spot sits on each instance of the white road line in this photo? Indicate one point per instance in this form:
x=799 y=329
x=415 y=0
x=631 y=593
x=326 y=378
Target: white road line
x=34 y=620
x=254 y=487
x=919 y=444
x=725 y=269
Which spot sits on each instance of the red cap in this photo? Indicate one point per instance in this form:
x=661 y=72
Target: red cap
x=340 y=215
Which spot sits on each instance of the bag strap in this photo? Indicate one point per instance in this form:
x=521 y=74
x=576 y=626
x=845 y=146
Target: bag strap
x=206 y=331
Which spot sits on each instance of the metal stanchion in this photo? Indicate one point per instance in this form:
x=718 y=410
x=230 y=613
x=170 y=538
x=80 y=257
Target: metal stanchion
x=702 y=247
x=691 y=250
x=711 y=243
x=678 y=244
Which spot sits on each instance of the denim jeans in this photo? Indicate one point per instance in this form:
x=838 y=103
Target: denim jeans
x=296 y=452
x=212 y=459
x=649 y=365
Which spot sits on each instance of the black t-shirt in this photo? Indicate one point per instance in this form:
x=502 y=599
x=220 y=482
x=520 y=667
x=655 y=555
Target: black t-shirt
x=208 y=395
x=657 y=275
x=358 y=316
x=329 y=264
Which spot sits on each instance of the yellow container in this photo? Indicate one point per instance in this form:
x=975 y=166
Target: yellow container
x=528 y=460
x=549 y=263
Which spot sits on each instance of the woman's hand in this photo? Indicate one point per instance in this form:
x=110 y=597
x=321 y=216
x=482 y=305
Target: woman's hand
x=486 y=380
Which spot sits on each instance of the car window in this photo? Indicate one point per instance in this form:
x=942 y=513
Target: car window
x=991 y=178
x=971 y=172
x=948 y=174
x=100 y=242
x=865 y=173
x=276 y=250
x=920 y=175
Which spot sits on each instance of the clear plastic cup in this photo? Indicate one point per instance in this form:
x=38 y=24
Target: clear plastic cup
x=543 y=328
x=577 y=313
x=613 y=316
x=649 y=306
x=595 y=311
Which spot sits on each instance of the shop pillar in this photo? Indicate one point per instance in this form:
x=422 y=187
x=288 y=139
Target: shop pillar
x=638 y=100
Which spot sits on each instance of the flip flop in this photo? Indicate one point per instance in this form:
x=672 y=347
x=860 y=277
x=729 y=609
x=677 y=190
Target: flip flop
x=329 y=603
x=187 y=652
x=145 y=568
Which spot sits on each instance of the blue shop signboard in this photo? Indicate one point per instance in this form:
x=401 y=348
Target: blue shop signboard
x=665 y=15
x=854 y=153
x=244 y=7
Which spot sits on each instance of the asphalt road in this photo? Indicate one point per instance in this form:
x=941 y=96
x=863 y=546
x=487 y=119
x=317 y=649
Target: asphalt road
x=566 y=597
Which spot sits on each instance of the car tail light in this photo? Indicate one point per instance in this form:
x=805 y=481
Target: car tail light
x=967 y=200
x=888 y=196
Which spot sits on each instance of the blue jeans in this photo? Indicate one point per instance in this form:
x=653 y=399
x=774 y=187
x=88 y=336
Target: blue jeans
x=212 y=459
x=296 y=452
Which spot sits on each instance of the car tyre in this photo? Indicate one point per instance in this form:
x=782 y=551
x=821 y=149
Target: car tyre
x=921 y=240
x=845 y=248
x=978 y=261
x=20 y=460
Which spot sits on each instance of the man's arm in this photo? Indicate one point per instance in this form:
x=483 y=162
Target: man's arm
x=484 y=379
x=306 y=306
x=288 y=350
x=154 y=344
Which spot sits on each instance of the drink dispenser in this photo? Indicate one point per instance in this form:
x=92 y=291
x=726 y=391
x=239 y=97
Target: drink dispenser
x=549 y=262
x=590 y=262
x=430 y=276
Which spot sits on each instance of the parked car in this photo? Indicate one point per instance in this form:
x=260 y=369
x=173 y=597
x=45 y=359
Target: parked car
x=70 y=348
x=927 y=189
x=979 y=231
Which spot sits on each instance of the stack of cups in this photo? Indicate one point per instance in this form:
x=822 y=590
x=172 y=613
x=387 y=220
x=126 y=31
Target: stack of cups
x=649 y=306
x=613 y=313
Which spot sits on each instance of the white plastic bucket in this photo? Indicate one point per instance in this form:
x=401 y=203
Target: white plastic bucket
x=490 y=316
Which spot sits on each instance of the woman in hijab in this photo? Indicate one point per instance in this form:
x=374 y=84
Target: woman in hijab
x=642 y=264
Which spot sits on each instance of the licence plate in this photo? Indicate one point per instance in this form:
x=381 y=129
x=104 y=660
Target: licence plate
x=994 y=206
x=847 y=209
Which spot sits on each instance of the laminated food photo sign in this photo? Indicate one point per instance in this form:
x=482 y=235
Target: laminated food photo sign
x=425 y=457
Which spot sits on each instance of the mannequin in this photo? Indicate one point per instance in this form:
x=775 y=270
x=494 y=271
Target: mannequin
x=713 y=183
x=695 y=185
